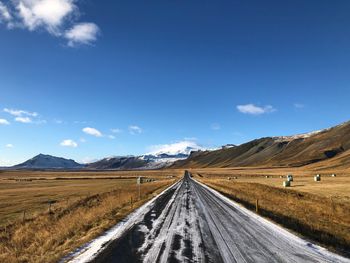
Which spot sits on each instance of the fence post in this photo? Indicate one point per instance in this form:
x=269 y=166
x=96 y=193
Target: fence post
x=24 y=216
x=257 y=206
x=131 y=204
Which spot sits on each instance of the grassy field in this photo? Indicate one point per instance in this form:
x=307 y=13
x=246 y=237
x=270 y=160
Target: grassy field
x=317 y=210
x=83 y=205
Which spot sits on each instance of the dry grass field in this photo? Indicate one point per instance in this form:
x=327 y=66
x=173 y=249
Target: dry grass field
x=317 y=210
x=83 y=205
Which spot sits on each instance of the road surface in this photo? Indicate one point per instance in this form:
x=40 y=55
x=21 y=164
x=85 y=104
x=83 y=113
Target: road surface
x=192 y=223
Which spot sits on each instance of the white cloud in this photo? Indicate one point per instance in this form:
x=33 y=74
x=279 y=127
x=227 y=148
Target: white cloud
x=23 y=119
x=69 y=143
x=4 y=13
x=87 y=160
x=134 y=129
x=112 y=137
x=116 y=130
x=4 y=122
x=83 y=33
x=92 y=131
x=58 y=17
x=9 y=145
x=215 y=126
x=47 y=13
x=255 y=110
x=20 y=113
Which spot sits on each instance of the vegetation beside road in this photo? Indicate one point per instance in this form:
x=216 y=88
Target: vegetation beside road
x=94 y=206
x=314 y=215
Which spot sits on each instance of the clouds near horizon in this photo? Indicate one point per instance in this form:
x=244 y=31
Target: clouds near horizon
x=69 y=143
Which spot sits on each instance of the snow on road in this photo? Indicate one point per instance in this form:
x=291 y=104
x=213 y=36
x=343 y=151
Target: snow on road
x=191 y=222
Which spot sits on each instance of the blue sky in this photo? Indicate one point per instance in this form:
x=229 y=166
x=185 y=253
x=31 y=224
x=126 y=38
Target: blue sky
x=159 y=72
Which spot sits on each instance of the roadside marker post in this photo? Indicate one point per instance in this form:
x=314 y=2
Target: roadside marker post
x=257 y=206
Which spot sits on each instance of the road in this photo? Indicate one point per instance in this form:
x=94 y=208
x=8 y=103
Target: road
x=192 y=223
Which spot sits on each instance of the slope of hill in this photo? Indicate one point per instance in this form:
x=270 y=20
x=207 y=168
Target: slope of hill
x=284 y=151
x=43 y=161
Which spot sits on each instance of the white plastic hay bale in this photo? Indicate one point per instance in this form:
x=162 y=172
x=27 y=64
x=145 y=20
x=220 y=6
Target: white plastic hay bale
x=267 y=176
x=290 y=178
x=333 y=175
x=228 y=178
x=317 y=178
x=281 y=176
x=286 y=183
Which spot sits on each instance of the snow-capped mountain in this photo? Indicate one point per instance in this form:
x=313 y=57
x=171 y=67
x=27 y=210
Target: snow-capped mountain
x=161 y=156
x=178 y=149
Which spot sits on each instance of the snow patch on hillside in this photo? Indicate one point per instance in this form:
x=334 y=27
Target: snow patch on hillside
x=174 y=149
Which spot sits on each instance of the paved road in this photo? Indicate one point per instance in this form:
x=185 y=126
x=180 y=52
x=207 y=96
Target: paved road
x=191 y=223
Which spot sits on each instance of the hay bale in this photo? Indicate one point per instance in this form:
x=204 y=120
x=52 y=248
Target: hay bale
x=290 y=178
x=317 y=178
x=334 y=175
x=286 y=183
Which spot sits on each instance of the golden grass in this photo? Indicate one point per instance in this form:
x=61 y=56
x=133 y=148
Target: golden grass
x=317 y=210
x=94 y=206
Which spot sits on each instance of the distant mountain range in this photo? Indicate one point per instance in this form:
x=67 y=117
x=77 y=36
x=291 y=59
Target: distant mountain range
x=161 y=158
x=324 y=148
x=317 y=149
x=157 y=159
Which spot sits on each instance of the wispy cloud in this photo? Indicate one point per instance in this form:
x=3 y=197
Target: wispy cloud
x=112 y=137
x=116 y=130
x=9 y=145
x=299 y=106
x=215 y=126
x=58 y=121
x=134 y=129
x=20 y=113
x=24 y=116
x=4 y=122
x=92 y=131
x=255 y=110
x=57 y=17
x=69 y=143
x=4 y=13
x=23 y=119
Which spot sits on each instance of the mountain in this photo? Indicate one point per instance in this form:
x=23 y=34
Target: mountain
x=285 y=151
x=121 y=163
x=43 y=161
x=162 y=156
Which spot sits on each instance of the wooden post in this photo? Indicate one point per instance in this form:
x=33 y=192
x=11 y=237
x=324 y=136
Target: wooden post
x=131 y=201
x=24 y=216
x=139 y=192
x=257 y=206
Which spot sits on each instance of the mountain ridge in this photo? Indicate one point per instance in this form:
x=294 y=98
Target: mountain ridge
x=279 y=151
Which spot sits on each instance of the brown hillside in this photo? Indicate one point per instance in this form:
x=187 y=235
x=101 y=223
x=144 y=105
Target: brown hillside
x=332 y=145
